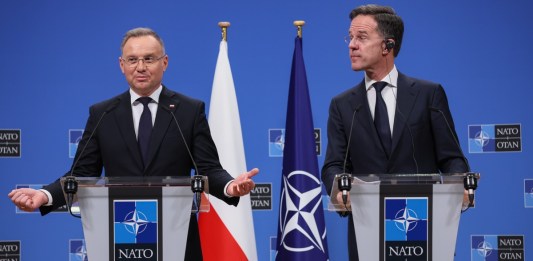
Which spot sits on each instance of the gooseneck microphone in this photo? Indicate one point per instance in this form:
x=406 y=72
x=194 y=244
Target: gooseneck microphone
x=345 y=180
x=197 y=183
x=470 y=180
x=455 y=139
x=410 y=135
x=70 y=186
x=350 y=138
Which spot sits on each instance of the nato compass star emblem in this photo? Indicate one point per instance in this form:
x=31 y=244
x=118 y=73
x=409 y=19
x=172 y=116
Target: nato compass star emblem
x=77 y=250
x=135 y=222
x=280 y=142
x=299 y=213
x=484 y=249
x=482 y=138
x=406 y=220
x=81 y=253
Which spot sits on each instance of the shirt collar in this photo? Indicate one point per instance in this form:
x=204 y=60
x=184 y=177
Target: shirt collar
x=155 y=95
x=391 y=79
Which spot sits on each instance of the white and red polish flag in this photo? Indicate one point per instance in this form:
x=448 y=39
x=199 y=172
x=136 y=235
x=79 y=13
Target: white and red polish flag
x=227 y=232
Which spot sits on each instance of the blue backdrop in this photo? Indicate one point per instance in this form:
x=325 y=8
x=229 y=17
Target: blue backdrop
x=59 y=57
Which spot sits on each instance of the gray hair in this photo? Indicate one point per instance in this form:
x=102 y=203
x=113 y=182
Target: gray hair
x=141 y=31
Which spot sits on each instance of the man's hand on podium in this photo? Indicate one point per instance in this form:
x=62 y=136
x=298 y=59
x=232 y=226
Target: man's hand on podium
x=466 y=201
x=28 y=199
x=243 y=184
x=348 y=205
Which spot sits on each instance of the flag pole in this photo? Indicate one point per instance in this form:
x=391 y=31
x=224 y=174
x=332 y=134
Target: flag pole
x=299 y=24
x=224 y=27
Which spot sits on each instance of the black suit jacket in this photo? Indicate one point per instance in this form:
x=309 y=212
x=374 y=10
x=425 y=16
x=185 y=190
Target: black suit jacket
x=113 y=147
x=418 y=132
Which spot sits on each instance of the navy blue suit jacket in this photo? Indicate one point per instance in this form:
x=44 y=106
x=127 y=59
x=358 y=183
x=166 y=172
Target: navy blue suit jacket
x=418 y=132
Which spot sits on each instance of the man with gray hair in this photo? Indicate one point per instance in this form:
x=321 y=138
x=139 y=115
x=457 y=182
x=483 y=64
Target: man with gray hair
x=139 y=138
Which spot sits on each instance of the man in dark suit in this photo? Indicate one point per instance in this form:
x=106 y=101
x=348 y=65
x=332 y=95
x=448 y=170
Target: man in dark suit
x=116 y=145
x=389 y=123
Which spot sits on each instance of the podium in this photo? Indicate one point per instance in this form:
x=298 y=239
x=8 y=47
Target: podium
x=404 y=216
x=138 y=218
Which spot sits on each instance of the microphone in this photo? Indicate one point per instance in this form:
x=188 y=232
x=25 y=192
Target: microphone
x=455 y=139
x=470 y=180
x=197 y=183
x=470 y=183
x=345 y=180
x=70 y=186
x=410 y=134
x=349 y=138
x=345 y=185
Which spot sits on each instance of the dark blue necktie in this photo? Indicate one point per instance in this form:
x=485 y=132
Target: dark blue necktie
x=145 y=128
x=381 y=119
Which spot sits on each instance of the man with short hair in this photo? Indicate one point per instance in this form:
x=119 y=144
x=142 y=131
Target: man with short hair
x=393 y=129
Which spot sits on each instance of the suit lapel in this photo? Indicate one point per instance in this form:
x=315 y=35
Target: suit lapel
x=407 y=93
x=124 y=118
x=363 y=115
x=162 y=122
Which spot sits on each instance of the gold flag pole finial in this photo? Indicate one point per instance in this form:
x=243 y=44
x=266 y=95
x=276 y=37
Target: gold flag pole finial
x=224 y=26
x=299 y=25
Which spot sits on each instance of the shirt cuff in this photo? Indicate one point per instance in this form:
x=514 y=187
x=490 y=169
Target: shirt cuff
x=50 y=199
x=226 y=189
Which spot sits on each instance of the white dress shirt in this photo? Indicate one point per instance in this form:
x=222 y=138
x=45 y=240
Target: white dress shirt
x=389 y=94
x=137 y=107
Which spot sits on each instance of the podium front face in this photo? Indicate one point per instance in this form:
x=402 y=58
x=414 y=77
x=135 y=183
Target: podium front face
x=135 y=222
x=406 y=221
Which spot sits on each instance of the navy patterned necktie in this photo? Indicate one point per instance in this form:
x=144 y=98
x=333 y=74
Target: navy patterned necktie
x=145 y=128
x=381 y=119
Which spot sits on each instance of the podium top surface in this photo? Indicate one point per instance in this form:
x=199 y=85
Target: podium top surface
x=418 y=178
x=368 y=183
x=133 y=181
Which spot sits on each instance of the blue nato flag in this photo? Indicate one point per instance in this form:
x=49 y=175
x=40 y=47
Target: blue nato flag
x=301 y=226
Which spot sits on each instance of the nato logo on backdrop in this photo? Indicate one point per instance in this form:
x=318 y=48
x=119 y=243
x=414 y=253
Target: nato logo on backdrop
x=135 y=229
x=10 y=143
x=276 y=142
x=489 y=138
x=77 y=250
x=74 y=137
x=528 y=193
x=406 y=228
x=497 y=247
x=10 y=250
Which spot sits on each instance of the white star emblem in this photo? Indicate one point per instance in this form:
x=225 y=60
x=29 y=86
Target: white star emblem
x=299 y=216
x=135 y=222
x=482 y=138
x=484 y=249
x=81 y=253
x=280 y=142
x=406 y=219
